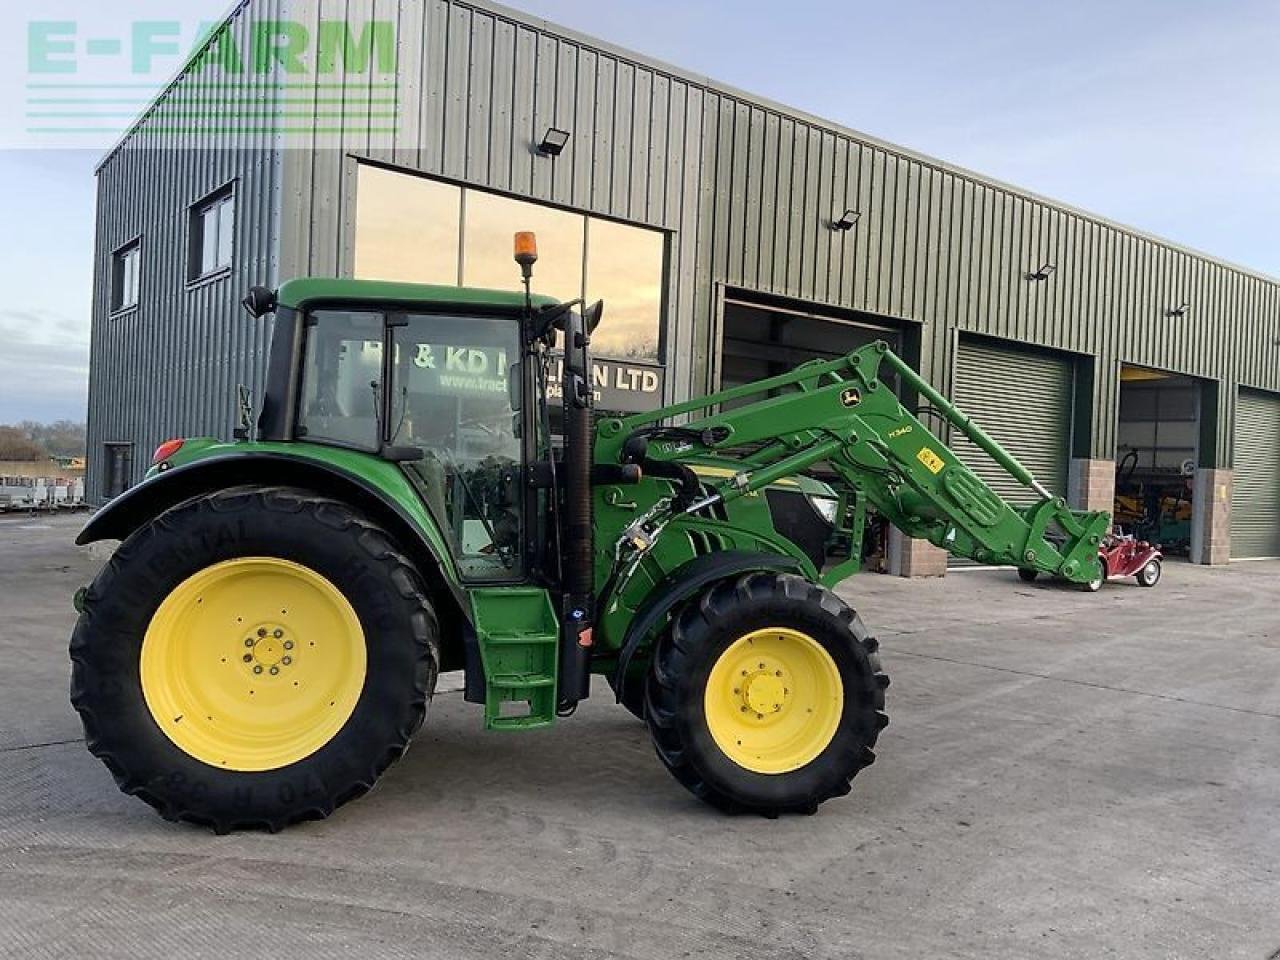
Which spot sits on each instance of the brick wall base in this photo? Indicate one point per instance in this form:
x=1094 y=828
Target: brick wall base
x=914 y=558
x=1091 y=484
x=1211 y=517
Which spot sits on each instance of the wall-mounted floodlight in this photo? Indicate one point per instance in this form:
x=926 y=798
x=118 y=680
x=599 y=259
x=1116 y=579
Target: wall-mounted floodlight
x=553 y=142
x=846 y=221
x=1043 y=273
x=1180 y=310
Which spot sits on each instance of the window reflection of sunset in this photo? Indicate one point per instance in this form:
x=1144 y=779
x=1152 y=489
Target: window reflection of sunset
x=406 y=228
x=492 y=222
x=409 y=228
x=624 y=269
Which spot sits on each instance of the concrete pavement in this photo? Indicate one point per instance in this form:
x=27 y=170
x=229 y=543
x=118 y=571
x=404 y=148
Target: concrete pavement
x=1065 y=775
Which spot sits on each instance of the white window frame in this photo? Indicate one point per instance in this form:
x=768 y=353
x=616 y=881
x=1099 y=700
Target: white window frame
x=212 y=205
x=120 y=287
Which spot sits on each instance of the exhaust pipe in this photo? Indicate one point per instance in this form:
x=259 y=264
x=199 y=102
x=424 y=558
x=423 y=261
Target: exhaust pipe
x=578 y=534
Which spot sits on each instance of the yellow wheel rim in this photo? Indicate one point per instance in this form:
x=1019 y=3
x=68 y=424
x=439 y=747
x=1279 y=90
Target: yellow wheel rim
x=253 y=664
x=774 y=700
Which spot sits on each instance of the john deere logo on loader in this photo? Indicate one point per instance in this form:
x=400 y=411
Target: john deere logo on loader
x=850 y=397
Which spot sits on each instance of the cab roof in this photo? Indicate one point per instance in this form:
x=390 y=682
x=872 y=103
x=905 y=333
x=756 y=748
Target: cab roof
x=304 y=290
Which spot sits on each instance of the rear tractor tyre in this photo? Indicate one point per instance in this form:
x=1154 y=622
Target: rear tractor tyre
x=1027 y=576
x=766 y=696
x=1149 y=575
x=253 y=658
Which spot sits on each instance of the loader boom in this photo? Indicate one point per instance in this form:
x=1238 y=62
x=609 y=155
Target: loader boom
x=842 y=413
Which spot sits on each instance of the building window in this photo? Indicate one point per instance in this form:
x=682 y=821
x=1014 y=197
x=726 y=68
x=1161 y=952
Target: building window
x=413 y=229
x=212 y=234
x=407 y=228
x=490 y=223
x=625 y=270
x=125 y=264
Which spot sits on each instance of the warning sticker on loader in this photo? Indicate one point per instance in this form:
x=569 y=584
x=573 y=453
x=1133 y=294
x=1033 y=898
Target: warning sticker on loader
x=933 y=463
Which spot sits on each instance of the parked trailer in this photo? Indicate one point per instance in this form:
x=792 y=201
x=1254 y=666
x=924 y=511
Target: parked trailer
x=41 y=493
x=16 y=493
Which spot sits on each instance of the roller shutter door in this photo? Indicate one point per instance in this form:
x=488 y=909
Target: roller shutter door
x=1023 y=401
x=1255 y=499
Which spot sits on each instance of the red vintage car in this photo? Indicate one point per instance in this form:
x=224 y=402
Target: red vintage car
x=1122 y=555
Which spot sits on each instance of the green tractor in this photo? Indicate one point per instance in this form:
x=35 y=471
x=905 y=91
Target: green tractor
x=427 y=488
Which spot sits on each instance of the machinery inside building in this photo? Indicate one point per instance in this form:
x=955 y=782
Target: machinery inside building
x=1157 y=453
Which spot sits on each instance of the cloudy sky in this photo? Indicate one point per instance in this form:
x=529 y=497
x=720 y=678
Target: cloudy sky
x=1161 y=114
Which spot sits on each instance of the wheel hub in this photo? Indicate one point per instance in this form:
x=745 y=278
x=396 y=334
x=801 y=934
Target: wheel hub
x=272 y=646
x=764 y=693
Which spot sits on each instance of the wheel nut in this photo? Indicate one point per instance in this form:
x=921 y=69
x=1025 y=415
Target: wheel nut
x=248 y=641
x=288 y=644
x=277 y=633
x=262 y=631
x=257 y=668
x=286 y=660
x=248 y=658
x=274 y=671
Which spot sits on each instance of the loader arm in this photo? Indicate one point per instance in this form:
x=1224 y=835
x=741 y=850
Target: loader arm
x=841 y=413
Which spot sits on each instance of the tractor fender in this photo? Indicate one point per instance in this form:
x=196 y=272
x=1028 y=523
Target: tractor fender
x=139 y=505
x=685 y=581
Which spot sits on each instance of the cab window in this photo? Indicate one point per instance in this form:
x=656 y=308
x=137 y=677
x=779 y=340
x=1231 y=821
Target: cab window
x=341 y=379
x=452 y=396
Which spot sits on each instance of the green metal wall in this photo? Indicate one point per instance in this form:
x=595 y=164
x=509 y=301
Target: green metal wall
x=747 y=190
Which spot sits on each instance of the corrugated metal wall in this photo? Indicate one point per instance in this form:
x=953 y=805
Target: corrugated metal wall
x=170 y=367
x=747 y=190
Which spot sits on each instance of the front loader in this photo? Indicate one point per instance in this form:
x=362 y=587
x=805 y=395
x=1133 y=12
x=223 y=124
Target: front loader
x=427 y=487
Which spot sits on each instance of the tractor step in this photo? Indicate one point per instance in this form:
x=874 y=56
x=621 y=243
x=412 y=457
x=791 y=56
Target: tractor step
x=519 y=637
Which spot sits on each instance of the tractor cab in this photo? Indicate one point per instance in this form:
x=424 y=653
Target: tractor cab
x=451 y=384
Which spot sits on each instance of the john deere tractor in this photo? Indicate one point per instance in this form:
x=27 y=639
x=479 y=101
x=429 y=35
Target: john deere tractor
x=428 y=488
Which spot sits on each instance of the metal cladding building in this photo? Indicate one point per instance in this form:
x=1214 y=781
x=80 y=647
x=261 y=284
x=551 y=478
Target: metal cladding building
x=730 y=238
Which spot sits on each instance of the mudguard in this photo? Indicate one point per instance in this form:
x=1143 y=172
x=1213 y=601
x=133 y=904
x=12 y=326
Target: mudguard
x=684 y=582
x=140 y=505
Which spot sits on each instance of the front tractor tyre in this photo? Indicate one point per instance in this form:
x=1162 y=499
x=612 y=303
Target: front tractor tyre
x=766 y=696
x=253 y=658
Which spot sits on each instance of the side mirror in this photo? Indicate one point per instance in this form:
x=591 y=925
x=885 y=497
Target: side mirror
x=259 y=301
x=592 y=316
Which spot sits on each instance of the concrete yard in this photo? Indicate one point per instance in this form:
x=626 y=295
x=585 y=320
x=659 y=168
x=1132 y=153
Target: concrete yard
x=1065 y=775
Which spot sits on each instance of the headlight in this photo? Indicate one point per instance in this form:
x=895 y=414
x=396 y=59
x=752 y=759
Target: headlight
x=825 y=507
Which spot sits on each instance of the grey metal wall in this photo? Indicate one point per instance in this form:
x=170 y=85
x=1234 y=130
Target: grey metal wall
x=170 y=367
x=748 y=190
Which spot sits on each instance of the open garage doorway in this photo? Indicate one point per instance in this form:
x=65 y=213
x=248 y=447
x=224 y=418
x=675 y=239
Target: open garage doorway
x=1157 y=451
x=766 y=336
